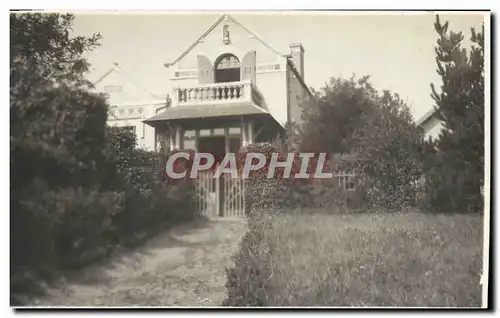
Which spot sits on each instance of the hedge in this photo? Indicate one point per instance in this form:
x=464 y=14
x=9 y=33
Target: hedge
x=60 y=228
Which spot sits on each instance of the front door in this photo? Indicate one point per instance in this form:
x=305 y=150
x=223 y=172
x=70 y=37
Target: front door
x=215 y=145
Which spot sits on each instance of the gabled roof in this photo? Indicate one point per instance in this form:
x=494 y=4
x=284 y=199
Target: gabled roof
x=224 y=17
x=427 y=116
x=125 y=79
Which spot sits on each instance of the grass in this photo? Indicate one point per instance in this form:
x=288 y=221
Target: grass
x=410 y=259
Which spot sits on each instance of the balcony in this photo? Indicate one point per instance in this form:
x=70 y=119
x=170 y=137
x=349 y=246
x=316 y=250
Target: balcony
x=217 y=93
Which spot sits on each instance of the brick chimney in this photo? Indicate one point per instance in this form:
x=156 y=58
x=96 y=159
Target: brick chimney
x=297 y=52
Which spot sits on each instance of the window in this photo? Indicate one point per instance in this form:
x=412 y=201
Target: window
x=205 y=132
x=228 y=61
x=227 y=69
x=218 y=132
x=235 y=131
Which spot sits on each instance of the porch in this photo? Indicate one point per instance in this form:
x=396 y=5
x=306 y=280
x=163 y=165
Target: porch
x=217 y=118
x=205 y=116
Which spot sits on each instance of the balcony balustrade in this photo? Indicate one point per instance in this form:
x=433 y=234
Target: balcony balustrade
x=231 y=92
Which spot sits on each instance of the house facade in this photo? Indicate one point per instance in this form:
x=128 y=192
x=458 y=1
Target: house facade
x=431 y=124
x=130 y=104
x=229 y=88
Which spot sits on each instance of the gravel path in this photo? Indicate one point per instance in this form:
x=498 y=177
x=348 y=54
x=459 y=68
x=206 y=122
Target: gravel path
x=184 y=266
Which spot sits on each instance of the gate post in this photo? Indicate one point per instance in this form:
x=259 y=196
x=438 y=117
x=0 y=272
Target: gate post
x=218 y=208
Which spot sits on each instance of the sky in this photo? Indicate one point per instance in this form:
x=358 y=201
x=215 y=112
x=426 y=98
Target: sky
x=395 y=49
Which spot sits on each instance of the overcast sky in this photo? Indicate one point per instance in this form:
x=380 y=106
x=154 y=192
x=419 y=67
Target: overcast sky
x=396 y=50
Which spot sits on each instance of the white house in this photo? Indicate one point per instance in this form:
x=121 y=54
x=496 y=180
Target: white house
x=229 y=88
x=130 y=104
x=431 y=124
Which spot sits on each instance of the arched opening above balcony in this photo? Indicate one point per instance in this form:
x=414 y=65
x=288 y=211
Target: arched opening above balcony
x=227 y=69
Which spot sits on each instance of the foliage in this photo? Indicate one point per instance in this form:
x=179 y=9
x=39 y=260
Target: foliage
x=247 y=281
x=329 y=120
x=455 y=167
x=263 y=193
x=56 y=123
x=78 y=188
x=375 y=128
x=387 y=153
x=79 y=219
x=42 y=51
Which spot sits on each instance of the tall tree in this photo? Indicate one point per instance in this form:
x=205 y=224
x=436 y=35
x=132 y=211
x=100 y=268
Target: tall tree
x=456 y=171
x=375 y=128
x=329 y=120
x=387 y=147
x=57 y=124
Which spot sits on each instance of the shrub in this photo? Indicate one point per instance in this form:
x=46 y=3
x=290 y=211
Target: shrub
x=55 y=229
x=69 y=227
x=78 y=222
x=336 y=198
x=265 y=195
x=248 y=280
x=78 y=187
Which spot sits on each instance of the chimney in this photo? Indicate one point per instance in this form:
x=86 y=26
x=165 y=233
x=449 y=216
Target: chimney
x=297 y=52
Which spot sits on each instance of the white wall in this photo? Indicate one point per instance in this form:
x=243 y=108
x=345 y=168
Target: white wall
x=272 y=85
x=432 y=128
x=133 y=115
x=270 y=82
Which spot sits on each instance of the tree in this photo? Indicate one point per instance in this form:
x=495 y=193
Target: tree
x=57 y=124
x=387 y=147
x=374 y=128
x=455 y=173
x=57 y=128
x=330 y=119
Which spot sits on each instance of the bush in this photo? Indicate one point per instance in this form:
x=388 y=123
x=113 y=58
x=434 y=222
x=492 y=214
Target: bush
x=247 y=280
x=81 y=222
x=375 y=128
x=337 y=198
x=265 y=195
x=78 y=188
x=57 y=229
x=65 y=228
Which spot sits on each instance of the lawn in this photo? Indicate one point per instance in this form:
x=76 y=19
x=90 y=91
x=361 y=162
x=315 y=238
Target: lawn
x=409 y=259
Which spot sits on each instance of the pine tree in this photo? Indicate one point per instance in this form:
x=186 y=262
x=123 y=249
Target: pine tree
x=456 y=171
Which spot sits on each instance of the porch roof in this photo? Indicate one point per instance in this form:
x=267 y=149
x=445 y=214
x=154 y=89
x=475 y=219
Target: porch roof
x=206 y=111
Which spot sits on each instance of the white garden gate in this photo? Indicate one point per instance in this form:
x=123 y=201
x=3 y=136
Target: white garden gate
x=222 y=196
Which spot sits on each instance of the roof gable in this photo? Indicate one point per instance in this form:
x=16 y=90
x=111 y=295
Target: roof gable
x=433 y=113
x=217 y=25
x=121 y=89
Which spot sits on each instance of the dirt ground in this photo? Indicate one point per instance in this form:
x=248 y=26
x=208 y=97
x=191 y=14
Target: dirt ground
x=182 y=267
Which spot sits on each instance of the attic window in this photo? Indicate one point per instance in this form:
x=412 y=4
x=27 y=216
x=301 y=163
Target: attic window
x=228 y=61
x=227 y=69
